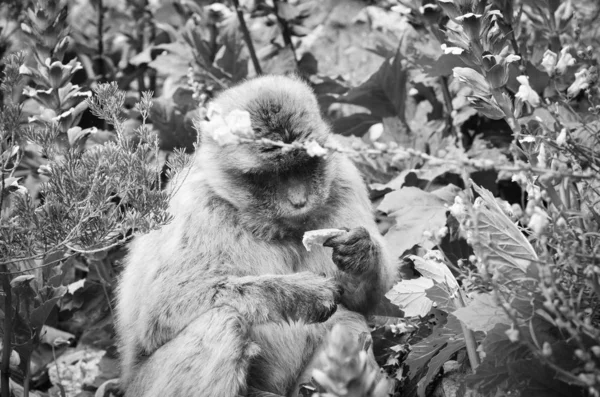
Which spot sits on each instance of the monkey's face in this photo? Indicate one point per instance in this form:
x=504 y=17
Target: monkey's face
x=294 y=193
x=268 y=181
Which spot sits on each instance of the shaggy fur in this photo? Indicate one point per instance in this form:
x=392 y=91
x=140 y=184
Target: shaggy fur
x=225 y=300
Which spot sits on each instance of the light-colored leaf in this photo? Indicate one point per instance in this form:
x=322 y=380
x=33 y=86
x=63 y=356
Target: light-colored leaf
x=415 y=211
x=432 y=266
x=409 y=295
x=499 y=242
x=482 y=313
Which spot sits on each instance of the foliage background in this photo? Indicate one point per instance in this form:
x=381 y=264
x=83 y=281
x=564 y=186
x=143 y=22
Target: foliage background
x=475 y=124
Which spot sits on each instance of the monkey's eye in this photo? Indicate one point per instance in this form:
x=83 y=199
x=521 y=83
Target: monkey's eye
x=265 y=148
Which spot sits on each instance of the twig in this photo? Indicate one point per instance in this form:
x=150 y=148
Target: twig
x=285 y=31
x=447 y=102
x=247 y=37
x=100 y=33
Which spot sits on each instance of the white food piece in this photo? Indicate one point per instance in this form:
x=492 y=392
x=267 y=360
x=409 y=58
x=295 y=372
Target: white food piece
x=314 y=238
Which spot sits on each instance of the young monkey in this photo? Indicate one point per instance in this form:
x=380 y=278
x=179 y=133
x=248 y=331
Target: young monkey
x=225 y=300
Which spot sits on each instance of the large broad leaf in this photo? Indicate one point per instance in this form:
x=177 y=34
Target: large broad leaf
x=415 y=211
x=499 y=242
x=482 y=313
x=233 y=57
x=384 y=93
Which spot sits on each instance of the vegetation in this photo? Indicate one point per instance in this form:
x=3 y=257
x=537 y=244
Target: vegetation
x=478 y=134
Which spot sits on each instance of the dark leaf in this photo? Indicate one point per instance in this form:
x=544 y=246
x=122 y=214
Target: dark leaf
x=356 y=124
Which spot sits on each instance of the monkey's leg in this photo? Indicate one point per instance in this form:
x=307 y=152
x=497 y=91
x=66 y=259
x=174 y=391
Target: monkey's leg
x=210 y=357
x=289 y=351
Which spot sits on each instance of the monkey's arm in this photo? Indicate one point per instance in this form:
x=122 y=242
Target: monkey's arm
x=367 y=270
x=259 y=299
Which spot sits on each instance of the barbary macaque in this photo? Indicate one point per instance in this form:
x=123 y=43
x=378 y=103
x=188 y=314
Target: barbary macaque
x=225 y=300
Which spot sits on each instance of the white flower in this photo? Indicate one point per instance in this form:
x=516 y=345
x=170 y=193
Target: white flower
x=240 y=124
x=458 y=209
x=564 y=61
x=549 y=61
x=512 y=334
x=223 y=135
x=561 y=139
x=314 y=149
x=581 y=83
x=538 y=221
x=542 y=157
x=375 y=131
x=526 y=93
x=452 y=50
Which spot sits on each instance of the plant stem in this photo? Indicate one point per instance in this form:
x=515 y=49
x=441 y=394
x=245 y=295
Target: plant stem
x=6 y=341
x=285 y=31
x=247 y=38
x=100 y=32
x=27 y=378
x=447 y=102
x=470 y=341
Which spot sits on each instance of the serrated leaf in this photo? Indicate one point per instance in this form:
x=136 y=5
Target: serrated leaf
x=500 y=242
x=409 y=295
x=482 y=313
x=414 y=211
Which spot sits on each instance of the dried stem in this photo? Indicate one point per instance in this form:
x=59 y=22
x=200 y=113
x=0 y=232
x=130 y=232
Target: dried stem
x=247 y=37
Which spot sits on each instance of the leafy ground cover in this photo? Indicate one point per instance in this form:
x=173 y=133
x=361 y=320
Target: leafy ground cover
x=476 y=125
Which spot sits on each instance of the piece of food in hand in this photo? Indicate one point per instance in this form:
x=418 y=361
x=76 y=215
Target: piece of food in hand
x=315 y=238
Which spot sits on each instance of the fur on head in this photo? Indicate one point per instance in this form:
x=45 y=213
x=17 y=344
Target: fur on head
x=288 y=187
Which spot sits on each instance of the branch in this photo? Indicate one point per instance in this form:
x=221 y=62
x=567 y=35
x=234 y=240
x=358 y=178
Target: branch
x=247 y=38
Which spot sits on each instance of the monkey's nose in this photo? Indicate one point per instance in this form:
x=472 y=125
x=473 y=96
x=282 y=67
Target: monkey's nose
x=298 y=202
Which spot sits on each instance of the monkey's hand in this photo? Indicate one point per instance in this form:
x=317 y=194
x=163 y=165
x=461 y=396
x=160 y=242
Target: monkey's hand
x=354 y=252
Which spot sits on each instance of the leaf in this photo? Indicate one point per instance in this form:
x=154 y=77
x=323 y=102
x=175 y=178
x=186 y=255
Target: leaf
x=356 y=124
x=414 y=211
x=40 y=314
x=287 y=11
x=432 y=266
x=420 y=361
x=441 y=296
x=441 y=66
x=473 y=79
x=384 y=93
x=409 y=295
x=482 y=313
x=436 y=363
x=233 y=57
x=499 y=240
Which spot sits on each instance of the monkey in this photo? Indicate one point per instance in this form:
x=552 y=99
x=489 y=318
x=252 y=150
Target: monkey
x=225 y=300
